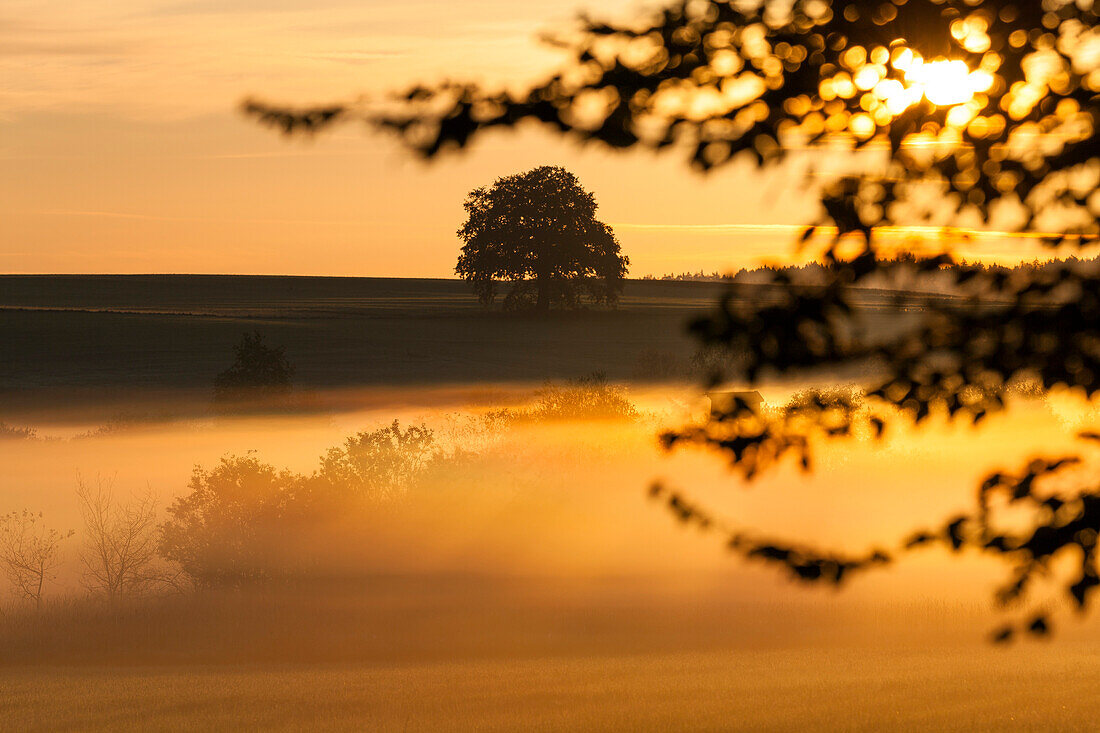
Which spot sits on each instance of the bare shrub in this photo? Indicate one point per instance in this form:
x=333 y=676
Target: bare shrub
x=585 y=398
x=119 y=557
x=29 y=553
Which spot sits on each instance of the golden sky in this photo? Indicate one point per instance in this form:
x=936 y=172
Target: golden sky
x=121 y=149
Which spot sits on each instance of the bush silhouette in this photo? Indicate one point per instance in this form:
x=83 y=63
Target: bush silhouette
x=258 y=372
x=226 y=530
x=590 y=397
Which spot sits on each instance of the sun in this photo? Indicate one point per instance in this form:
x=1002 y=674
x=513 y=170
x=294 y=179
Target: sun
x=884 y=94
x=943 y=82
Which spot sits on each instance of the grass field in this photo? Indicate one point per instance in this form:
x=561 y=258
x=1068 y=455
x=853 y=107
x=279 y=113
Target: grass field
x=103 y=341
x=842 y=690
x=176 y=331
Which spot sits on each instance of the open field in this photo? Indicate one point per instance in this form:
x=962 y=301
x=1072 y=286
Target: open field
x=537 y=588
x=104 y=341
x=176 y=331
x=842 y=690
x=99 y=341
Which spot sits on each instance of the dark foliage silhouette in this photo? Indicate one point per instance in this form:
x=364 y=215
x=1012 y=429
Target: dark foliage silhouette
x=539 y=230
x=259 y=372
x=964 y=110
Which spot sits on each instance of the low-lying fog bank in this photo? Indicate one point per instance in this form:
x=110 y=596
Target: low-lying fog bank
x=495 y=522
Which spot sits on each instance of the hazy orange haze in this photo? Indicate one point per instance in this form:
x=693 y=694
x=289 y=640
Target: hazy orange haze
x=121 y=149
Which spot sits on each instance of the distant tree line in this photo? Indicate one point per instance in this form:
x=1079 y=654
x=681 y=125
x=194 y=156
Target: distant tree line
x=808 y=271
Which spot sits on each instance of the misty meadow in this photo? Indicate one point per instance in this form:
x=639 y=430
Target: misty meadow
x=686 y=365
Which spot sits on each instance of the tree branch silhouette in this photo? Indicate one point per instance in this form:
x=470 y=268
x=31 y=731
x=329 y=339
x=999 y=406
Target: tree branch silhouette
x=961 y=110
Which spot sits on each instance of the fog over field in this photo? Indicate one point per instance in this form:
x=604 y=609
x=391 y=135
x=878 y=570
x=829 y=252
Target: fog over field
x=655 y=365
x=526 y=565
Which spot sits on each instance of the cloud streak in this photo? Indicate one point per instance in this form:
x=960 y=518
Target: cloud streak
x=924 y=231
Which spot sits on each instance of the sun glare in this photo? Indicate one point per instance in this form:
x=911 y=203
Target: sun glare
x=942 y=82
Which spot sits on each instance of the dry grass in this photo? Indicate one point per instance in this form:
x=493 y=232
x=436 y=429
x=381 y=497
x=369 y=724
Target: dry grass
x=774 y=690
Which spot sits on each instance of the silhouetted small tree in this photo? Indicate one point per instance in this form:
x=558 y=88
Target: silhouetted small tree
x=258 y=372
x=539 y=230
x=29 y=553
x=119 y=556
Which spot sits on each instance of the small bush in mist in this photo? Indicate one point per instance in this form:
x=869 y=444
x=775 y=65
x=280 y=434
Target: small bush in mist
x=219 y=532
x=587 y=398
x=591 y=397
x=259 y=372
x=29 y=554
x=378 y=465
x=824 y=397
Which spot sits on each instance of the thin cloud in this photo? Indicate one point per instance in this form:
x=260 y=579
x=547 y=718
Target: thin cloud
x=199 y=219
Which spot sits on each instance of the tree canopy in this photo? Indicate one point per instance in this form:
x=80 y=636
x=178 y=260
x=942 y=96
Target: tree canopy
x=539 y=230
x=960 y=112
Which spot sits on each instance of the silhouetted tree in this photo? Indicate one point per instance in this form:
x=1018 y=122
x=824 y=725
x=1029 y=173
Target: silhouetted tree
x=119 y=556
x=259 y=371
x=963 y=110
x=539 y=230
x=29 y=553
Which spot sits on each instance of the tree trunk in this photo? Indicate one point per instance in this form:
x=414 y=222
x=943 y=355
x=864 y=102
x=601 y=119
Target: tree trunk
x=542 y=303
